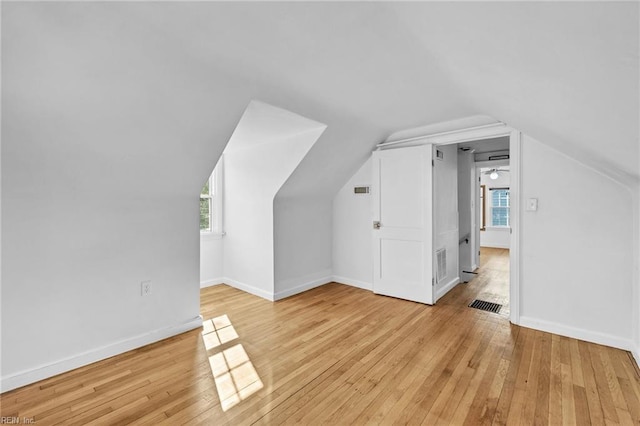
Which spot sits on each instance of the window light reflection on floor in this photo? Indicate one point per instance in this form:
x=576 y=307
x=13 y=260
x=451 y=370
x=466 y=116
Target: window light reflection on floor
x=235 y=376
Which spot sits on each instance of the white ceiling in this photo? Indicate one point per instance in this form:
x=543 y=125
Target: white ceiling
x=487 y=145
x=175 y=78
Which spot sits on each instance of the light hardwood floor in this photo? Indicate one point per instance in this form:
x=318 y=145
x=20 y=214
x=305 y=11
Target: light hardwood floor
x=341 y=355
x=492 y=282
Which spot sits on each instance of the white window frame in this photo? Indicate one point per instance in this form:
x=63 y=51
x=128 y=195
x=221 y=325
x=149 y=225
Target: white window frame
x=210 y=197
x=508 y=207
x=216 y=183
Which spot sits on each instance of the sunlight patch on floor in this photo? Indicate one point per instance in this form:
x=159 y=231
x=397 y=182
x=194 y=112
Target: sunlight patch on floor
x=234 y=374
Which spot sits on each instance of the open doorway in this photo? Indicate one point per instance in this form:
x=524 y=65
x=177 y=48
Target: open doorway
x=435 y=212
x=495 y=227
x=484 y=225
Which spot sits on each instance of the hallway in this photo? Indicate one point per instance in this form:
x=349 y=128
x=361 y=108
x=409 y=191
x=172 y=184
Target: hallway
x=491 y=284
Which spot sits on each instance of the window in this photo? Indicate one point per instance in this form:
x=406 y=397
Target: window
x=500 y=207
x=206 y=198
x=211 y=202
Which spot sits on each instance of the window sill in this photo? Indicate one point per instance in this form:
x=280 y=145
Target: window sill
x=207 y=236
x=497 y=228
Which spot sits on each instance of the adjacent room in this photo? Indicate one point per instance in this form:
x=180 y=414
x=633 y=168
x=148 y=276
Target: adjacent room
x=320 y=212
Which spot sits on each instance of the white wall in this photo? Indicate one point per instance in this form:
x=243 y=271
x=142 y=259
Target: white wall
x=72 y=269
x=211 y=260
x=302 y=244
x=466 y=207
x=253 y=176
x=636 y=278
x=445 y=215
x=352 y=226
x=100 y=183
x=494 y=236
x=636 y=305
x=576 y=258
x=251 y=179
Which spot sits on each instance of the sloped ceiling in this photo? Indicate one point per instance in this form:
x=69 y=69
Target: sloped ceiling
x=262 y=123
x=163 y=85
x=563 y=72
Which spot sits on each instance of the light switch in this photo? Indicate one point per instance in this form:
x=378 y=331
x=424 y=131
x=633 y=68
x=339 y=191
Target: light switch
x=532 y=204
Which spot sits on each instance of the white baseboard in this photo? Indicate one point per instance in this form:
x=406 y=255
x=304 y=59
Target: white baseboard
x=41 y=372
x=501 y=246
x=579 y=333
x=354 y=283
x=636 y=354
x=441 y=291
x=299 y=285
x=249 y=289
x=210 y=283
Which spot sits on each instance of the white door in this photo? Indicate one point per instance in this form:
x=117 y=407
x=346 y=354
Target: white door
x=402 y=227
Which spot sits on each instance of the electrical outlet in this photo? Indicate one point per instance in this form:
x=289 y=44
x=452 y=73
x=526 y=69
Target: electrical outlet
x=145 y=287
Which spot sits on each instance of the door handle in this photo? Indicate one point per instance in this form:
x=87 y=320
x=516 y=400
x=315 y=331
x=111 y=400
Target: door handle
x=376 y=224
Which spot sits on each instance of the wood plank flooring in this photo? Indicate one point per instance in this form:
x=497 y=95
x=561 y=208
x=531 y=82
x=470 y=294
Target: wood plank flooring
x=492 y=283
x=341 y=355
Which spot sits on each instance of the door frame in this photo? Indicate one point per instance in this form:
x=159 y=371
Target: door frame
x=491 y=131
x=478 y=166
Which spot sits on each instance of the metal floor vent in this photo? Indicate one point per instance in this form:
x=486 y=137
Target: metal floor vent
x=486 y=306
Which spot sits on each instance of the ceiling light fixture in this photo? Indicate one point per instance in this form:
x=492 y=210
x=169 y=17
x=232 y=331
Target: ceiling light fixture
x=494 y=174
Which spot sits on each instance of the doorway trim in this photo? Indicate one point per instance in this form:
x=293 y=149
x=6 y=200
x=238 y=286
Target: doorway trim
x=491 y=131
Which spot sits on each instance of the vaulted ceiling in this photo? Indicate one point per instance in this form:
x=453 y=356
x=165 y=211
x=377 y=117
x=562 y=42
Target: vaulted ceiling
x=159 y=87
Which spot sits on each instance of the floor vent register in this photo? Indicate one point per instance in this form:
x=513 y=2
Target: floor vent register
x=486 y=306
